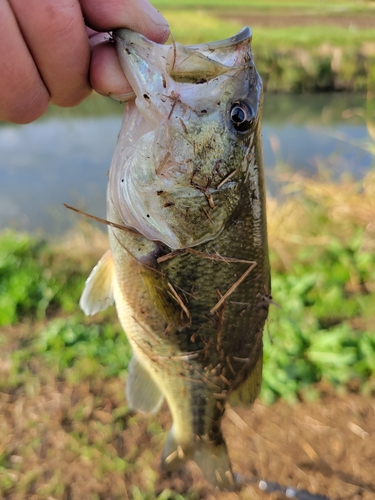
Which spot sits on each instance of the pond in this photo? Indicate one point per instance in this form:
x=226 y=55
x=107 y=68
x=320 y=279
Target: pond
x=65 y=159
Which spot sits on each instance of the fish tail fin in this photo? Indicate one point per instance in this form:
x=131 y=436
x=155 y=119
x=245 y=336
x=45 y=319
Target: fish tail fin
x=211 y=457
x=213 y=460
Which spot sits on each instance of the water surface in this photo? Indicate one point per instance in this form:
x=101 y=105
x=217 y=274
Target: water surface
x=65 y=157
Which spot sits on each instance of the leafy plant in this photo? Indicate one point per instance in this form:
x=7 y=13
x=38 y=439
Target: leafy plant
x=67 y=343
x=25 y=286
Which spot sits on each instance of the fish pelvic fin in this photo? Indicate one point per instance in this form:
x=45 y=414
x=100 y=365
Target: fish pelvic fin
x=98 y=292
x=141 y=391
x=246 y=393
x=211 y=457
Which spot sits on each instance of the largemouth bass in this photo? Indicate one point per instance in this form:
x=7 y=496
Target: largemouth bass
x=188 y=262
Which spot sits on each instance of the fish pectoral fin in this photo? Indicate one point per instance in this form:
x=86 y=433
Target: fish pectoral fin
x=141 y=391
x=98 y=292
x=246 y=393
x=211 y=457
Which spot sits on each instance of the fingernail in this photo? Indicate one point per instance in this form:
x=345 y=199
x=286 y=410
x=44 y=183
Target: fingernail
x=122 y=97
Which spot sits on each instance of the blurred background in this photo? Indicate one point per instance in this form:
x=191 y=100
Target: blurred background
x=317 y=65
x=65 y=430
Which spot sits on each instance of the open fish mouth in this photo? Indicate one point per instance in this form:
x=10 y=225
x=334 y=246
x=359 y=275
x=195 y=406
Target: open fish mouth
x=190 y=64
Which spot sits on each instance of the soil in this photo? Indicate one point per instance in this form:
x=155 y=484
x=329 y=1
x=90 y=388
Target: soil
x=61 y=440
x=326 y=447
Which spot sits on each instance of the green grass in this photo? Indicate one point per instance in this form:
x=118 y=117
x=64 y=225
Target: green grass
x=321 y=330
x=205 y=26
x=35 y=280
x=311 y=37
x=291 y=59
x=335 y=6
x=325 y=328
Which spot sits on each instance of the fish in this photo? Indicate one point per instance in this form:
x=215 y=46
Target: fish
x=188 y=267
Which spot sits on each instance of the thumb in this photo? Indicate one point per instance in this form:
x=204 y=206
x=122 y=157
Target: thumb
x=137 y=15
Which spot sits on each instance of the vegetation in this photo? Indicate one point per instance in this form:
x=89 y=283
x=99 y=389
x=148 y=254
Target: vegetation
x=326 y=7
x=290 y=58
x=54 y=361
x=323 y=264
x=293 y=59
x=64 y=420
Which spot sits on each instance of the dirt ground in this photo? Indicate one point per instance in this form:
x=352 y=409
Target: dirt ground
x=325 y=447
x=63 y=442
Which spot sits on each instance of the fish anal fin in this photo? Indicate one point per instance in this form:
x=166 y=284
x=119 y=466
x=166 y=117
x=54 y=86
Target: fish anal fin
x=98 y=292
x=141 y=391
x=246 y=393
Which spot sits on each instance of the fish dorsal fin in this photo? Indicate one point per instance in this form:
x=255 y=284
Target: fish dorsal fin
x=246 y=393
x=98 y=292
x=142 y=392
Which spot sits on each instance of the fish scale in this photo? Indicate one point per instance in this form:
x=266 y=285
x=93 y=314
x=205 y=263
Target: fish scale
x=243 y=323
x=188 y=258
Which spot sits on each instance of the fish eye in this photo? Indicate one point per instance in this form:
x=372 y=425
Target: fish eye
x=241 y=115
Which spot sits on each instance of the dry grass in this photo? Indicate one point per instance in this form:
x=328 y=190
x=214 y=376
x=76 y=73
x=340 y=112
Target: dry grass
x=318 y=211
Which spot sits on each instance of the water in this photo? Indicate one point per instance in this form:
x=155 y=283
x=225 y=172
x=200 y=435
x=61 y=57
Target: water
x=66 y=159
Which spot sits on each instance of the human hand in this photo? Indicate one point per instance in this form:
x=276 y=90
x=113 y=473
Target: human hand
x=45 y=51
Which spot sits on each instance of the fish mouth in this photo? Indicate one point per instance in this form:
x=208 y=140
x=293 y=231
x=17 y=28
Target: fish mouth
x=183 y=64
x=244 y=35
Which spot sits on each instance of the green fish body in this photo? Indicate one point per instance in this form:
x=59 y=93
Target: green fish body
x=188 y=263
